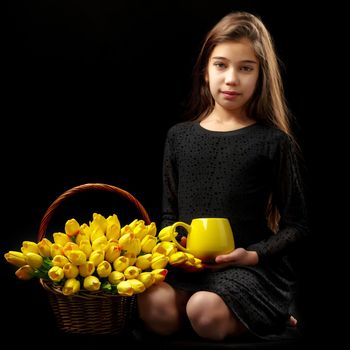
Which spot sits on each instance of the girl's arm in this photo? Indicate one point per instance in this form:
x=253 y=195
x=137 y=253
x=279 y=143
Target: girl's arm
x=289 y=197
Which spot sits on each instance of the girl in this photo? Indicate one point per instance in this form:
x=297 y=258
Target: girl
x=235 y=159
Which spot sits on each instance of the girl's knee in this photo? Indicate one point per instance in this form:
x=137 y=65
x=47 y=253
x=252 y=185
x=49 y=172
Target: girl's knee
x=202 y=303
x=158 y=310
x=211 y=318
x=200 y=313
x=156 y=300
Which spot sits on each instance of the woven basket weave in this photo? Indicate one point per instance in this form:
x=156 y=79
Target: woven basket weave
x=90 y=312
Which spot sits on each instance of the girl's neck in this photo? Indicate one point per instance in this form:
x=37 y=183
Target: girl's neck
x=226 y=121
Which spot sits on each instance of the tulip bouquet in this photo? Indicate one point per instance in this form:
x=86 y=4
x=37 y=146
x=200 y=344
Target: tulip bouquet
x=102 y=256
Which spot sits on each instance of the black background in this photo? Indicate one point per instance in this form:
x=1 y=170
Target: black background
x=89 y=90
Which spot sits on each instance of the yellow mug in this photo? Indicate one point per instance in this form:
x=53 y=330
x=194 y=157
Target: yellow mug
x=206 y=237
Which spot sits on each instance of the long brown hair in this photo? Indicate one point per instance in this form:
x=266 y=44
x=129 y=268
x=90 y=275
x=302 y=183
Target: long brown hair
x=268 y=104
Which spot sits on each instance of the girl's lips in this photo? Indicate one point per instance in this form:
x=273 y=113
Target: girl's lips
x=230 y=94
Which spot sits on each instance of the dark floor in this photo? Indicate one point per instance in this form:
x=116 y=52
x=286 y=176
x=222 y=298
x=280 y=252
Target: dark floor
x=56 y=339
x=28 y=320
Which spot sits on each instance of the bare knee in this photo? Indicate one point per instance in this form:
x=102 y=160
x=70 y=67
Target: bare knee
x=211 y=318
x=158 y=309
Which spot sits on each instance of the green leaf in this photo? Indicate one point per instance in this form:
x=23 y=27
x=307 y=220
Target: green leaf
x=107 y=287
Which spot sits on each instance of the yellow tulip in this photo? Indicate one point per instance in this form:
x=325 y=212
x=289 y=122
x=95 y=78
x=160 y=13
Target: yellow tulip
x=61 y=238
x=143 y=262
x=134 y=247
x=29 y=247
x=164 y=234
x=124 y=288
x=86 y=247
x=121 y=263
x=56 y=273
x=113 y=219
x=159 y=262
x=34 y=260
x=191 y=258
x=148 y=243
x=72 y=227
x=91 y=283
x=197 y=261
x=159 y=249
x=113 y=227
x=86 y=269
x=56 y=249
x=113 y=241
x=99 y=243
x=44 y=247
x=137 y=286
x=125 y=240
x=140 y=229
x=146 y=278
x=131 y=272
x=134 y=223
x=132 y=258
x=199 y=266
x=70 y=270
x=81 y=236
x=69 y=246
x=159 y=274
x=100 y=221
x=96 y=233
x=112 y=251
x=126 y=229
x=60 y=260
x=25 y=273
x=188 y=266
x=164 y=247
x=177 y=258
x=16 y=258
x=71 y=286
x=97 y=256
x=85 y=233
x=116 y=277
x=152 y=229
x=170 y=247
x=76 y=257
x=104 y=269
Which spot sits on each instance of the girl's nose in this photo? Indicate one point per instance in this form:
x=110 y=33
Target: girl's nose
x=231 y=77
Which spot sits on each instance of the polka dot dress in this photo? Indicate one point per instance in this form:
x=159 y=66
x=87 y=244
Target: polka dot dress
x=231 y=174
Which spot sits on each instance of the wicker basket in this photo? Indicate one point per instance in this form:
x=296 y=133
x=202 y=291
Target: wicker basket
x=90 y=312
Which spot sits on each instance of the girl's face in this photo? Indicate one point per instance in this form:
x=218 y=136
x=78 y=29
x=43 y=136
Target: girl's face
x=232 y=74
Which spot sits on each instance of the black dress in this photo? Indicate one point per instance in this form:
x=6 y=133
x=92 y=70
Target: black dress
x=231 y=174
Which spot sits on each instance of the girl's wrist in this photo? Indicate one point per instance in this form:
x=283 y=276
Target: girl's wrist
x=253 y=257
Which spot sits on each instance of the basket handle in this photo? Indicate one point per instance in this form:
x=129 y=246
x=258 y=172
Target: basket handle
x=82 y=188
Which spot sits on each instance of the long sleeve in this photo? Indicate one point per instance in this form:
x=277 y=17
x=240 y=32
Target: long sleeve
x=289 y=196
x=170 y=183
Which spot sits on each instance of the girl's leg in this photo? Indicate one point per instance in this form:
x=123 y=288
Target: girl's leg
x=211 y=318
x=162 y=308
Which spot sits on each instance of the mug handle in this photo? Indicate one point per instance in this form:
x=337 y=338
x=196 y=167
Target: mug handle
x=172 y=234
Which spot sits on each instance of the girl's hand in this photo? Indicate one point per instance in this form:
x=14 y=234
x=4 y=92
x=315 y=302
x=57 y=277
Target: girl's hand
x=239 y=256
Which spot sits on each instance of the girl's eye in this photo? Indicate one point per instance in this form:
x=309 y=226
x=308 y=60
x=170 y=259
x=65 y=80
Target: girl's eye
x=246 y=68
x=219 y=65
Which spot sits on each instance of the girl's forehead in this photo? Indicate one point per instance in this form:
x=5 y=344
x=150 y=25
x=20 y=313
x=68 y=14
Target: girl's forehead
x=238 y=49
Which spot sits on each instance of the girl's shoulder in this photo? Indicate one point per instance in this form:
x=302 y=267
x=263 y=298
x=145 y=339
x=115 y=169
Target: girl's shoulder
x=273 y=134
x=180 y=126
